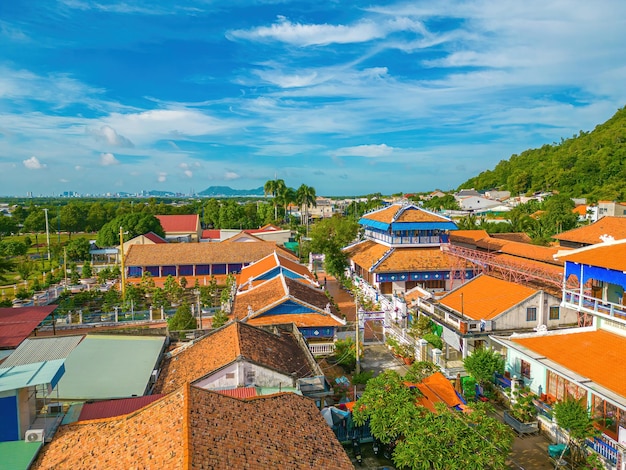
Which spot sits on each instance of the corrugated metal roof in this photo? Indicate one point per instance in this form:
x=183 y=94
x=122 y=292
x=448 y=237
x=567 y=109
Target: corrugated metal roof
x=28 y=375
x=42 y=349
x=110 y=408
x=16 y=324
x=103 y=367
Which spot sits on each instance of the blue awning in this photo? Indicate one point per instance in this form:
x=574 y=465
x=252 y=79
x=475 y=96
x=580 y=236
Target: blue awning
x=28 y=375
x=595 y=273
x=374 y=224
x=423 y=226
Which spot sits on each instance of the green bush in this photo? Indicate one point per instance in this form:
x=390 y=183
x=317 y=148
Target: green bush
x=433 y=339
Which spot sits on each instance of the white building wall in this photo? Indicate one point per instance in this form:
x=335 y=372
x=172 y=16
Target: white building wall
x=241 y=374
x=537 y=380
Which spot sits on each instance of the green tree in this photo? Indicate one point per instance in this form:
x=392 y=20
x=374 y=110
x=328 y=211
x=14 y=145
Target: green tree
x=573 y=416
x=25 y=267
x=133 y=225
x=72 y=218
x=274 y=188
x=78 y=249
x=6 y=266
x=426 y=440
x=35 y=221
x=219 y=319
x=87 y=272
x=305 y=197
x=8 y=225
x=182 y=319
x=483 y=363
x=345 y=353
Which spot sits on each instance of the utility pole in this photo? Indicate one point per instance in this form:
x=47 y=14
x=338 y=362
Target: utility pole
x=358 y=332
x=122 y=263
x=47 y=233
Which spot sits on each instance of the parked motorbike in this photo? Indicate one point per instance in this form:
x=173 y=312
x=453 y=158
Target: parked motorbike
x=356 y=450
x=376 y=447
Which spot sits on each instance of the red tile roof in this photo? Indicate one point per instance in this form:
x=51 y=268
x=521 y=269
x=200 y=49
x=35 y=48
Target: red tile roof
x=16 y=324
x=192 y=428
x=211 y=234
x=596 y=355
x=416 y=259
x=605 y=255
x=179 y=223
x=590 y=234
x=280 y=352
x=240 y=392
x=154 y=238
x=110 y=408
x=486 y=297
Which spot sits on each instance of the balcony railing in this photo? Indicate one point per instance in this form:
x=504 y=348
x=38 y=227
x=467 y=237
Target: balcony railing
x=593 y=305
x=406 y=241
x=605 y=448
x=461 y=324
x=322 y=349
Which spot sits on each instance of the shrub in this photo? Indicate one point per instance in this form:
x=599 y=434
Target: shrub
x=434 y=340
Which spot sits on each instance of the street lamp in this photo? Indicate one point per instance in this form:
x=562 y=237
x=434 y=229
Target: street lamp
x=197 y=292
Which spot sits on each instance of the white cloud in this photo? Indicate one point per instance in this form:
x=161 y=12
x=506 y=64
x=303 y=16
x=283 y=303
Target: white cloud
x=162 y=177
x=369 y=151
x=108 y=159
x=318 y=34
x=78 y=167
x=188 y=173
x=231 y=175
x=64 y=180
x=33 y=163
x=110 y=136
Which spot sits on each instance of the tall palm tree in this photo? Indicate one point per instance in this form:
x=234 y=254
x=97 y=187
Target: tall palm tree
x=274 y=187
x=287 y=197
x=305 y=197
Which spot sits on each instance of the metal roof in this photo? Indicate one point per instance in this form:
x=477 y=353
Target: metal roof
x=29 y=375
x=18 y=455
x=42 y=349
x=16 y=324
x=443 y=225
x=110 y=408
x=110 y=366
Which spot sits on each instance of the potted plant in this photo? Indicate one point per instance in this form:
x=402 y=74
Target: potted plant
x=522 y=415
x=407 y=352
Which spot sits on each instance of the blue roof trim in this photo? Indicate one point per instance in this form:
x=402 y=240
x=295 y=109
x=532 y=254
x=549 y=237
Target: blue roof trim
x=373 y=223
x=423 y=226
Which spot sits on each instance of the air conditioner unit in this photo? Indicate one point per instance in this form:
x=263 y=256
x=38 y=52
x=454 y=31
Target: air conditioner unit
x=34 y=435
x=154 y=376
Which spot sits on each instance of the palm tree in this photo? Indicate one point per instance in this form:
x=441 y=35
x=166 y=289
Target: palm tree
x=287 y=197
x=274 y=187
x=305 y=197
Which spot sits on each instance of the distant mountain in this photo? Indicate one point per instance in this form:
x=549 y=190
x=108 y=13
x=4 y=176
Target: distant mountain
x=590 y=164
x=226 y=191
x=155 y=193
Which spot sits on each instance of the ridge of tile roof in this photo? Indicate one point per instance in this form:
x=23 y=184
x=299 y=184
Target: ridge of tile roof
x=280 y=352
x=590 y=234
x=468 y=235
x=179 y=222
x=485 y=297
x=579 y=352
x=201 y=253
x=529 y=251
x=609 y=255
x=270 y=262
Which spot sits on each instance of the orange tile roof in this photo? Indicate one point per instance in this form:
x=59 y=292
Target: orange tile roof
x=486 y=297
x=194 y=428
x=301 y=320
x=270 y=262
x=580 y=210
x=529 y=251
x=465 y=235
x=513 y=237
x=408 y=213
x=280 y=289
x=416 y=259
x=179 y=223
x=604 y=255
x=223 y=346
x=153 y=436
x=590 y=234
x=596 y=355
x=365 y=254
x=166 y=254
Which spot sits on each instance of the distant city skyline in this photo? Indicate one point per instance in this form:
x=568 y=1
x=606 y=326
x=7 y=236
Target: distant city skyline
x=351 y=98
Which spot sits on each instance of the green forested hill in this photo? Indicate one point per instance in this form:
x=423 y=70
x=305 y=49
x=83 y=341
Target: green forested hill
x=590 y=164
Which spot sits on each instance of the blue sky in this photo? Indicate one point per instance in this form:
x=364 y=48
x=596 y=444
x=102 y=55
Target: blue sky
x=349 y=97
